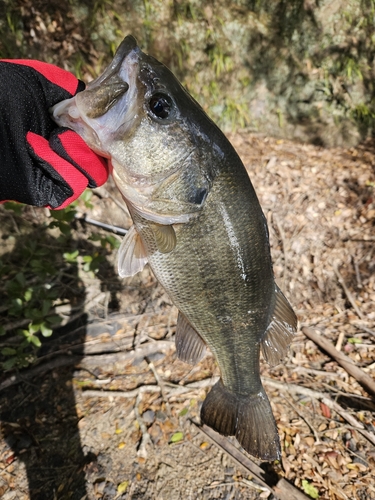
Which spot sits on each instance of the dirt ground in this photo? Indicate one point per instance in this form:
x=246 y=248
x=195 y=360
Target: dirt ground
x=111 y=415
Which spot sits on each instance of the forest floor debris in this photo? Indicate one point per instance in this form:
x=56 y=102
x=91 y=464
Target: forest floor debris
x=78 y=431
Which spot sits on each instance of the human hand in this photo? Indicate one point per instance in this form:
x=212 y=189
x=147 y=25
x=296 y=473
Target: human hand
x=41 y=164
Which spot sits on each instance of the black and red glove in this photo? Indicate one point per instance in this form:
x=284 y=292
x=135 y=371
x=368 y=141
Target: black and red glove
x=41 y=164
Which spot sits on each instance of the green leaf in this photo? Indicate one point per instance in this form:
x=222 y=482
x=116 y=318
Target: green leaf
x=46 y=332
x=8 y=351
x=113 y=241
x=20 y=277
x=71 y=256
x=354 y=340
x=54 y=319
x=28 y=294
x=177 y=436
x=309 y=489
x=2 y=331
x=9 y=363
x=46 y=307
x=183 y=412
x=34 y=340
x=16 y=207
x=34 y=327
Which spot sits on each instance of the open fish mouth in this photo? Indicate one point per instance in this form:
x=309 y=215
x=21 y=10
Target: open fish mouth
x=109 y=99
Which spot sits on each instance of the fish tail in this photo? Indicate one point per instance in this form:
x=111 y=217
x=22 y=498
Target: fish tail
x=247 y=417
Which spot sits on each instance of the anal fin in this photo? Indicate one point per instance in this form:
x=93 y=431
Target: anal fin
x=280 y=331
x=132 y=256
x=190 y=346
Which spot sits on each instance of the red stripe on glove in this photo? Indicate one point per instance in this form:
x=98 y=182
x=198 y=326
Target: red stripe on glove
x=76 y=180
x=95 y=166
x=55 y=75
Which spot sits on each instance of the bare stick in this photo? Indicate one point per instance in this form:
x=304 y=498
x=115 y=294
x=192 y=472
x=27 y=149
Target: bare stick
x=96 y=393
x=364 y=328
x=362 y=378
x=107 y=227
x=160 y=383
x=146 y=438
x=87 y=361
x=104 y=193
x=242 y=460
x=316 y=435
x=282 y=491
x=296 y=389
x=348 y=293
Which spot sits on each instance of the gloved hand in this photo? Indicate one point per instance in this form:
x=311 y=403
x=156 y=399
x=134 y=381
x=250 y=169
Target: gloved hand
x=41 y=164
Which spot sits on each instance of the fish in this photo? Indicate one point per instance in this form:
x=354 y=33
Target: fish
x=198 y=223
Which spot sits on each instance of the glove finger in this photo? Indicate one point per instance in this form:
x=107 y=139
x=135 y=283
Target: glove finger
x=73 y=149
x=53 y=74
x=61 y=170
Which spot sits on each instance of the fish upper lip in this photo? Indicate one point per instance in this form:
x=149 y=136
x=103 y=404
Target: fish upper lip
x=127 y=45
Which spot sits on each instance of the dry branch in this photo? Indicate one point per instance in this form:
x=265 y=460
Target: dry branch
x=282 y=491
x=296 y=389
x=348 y=292
x=87 y=361
x=362 y=378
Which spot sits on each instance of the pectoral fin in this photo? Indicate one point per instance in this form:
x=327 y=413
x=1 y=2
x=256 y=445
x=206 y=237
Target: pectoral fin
x=190 y=346
x=280 y=331
x=132 y=256
x=165 y=237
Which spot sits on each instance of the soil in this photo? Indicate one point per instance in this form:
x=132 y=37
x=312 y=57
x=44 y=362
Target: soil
x=111 y=415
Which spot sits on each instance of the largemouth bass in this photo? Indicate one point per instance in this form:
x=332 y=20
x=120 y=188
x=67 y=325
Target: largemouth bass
x=199 y=225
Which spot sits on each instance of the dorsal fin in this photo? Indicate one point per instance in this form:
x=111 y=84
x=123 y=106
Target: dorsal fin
x=280 y=331
x=190 y=346
x=132 y=256
x=165 y=237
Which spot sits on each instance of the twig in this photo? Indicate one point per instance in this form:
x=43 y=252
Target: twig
x=242 y=460
x=160 y=383
x=173 y=389
x=38 y=370
x=340 y=340
x=282 y=490
x=86 y=361
x=102 y=225
x=93 y=393
x=364 y=328
x=143 y=350
x=104 y=193
x=296 y=389
x=318 y=373
x=146 y=438
x=362 y=378
x=357 y=273
x=283 y=240
x=316 y=435
x=347 y=292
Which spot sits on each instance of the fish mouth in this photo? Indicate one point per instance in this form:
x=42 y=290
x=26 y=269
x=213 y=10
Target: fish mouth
x=107 y=107
x=125 y=48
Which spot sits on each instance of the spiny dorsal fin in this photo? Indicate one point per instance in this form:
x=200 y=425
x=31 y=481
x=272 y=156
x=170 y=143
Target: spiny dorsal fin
x=132 y=256
x=190 y=346
x=280 y=331
x=165 y=237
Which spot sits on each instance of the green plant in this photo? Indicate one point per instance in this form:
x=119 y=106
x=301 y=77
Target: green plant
x=41 y=272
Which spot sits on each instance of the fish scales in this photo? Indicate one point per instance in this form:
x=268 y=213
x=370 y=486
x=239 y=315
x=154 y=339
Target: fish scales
x=207 y=277
x=199 y=225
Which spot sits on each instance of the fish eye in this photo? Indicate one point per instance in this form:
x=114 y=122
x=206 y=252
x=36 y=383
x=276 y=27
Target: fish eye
x=161 y=105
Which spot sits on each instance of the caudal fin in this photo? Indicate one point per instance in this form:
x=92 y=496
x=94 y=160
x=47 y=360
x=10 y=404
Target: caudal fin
x=248 y=418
